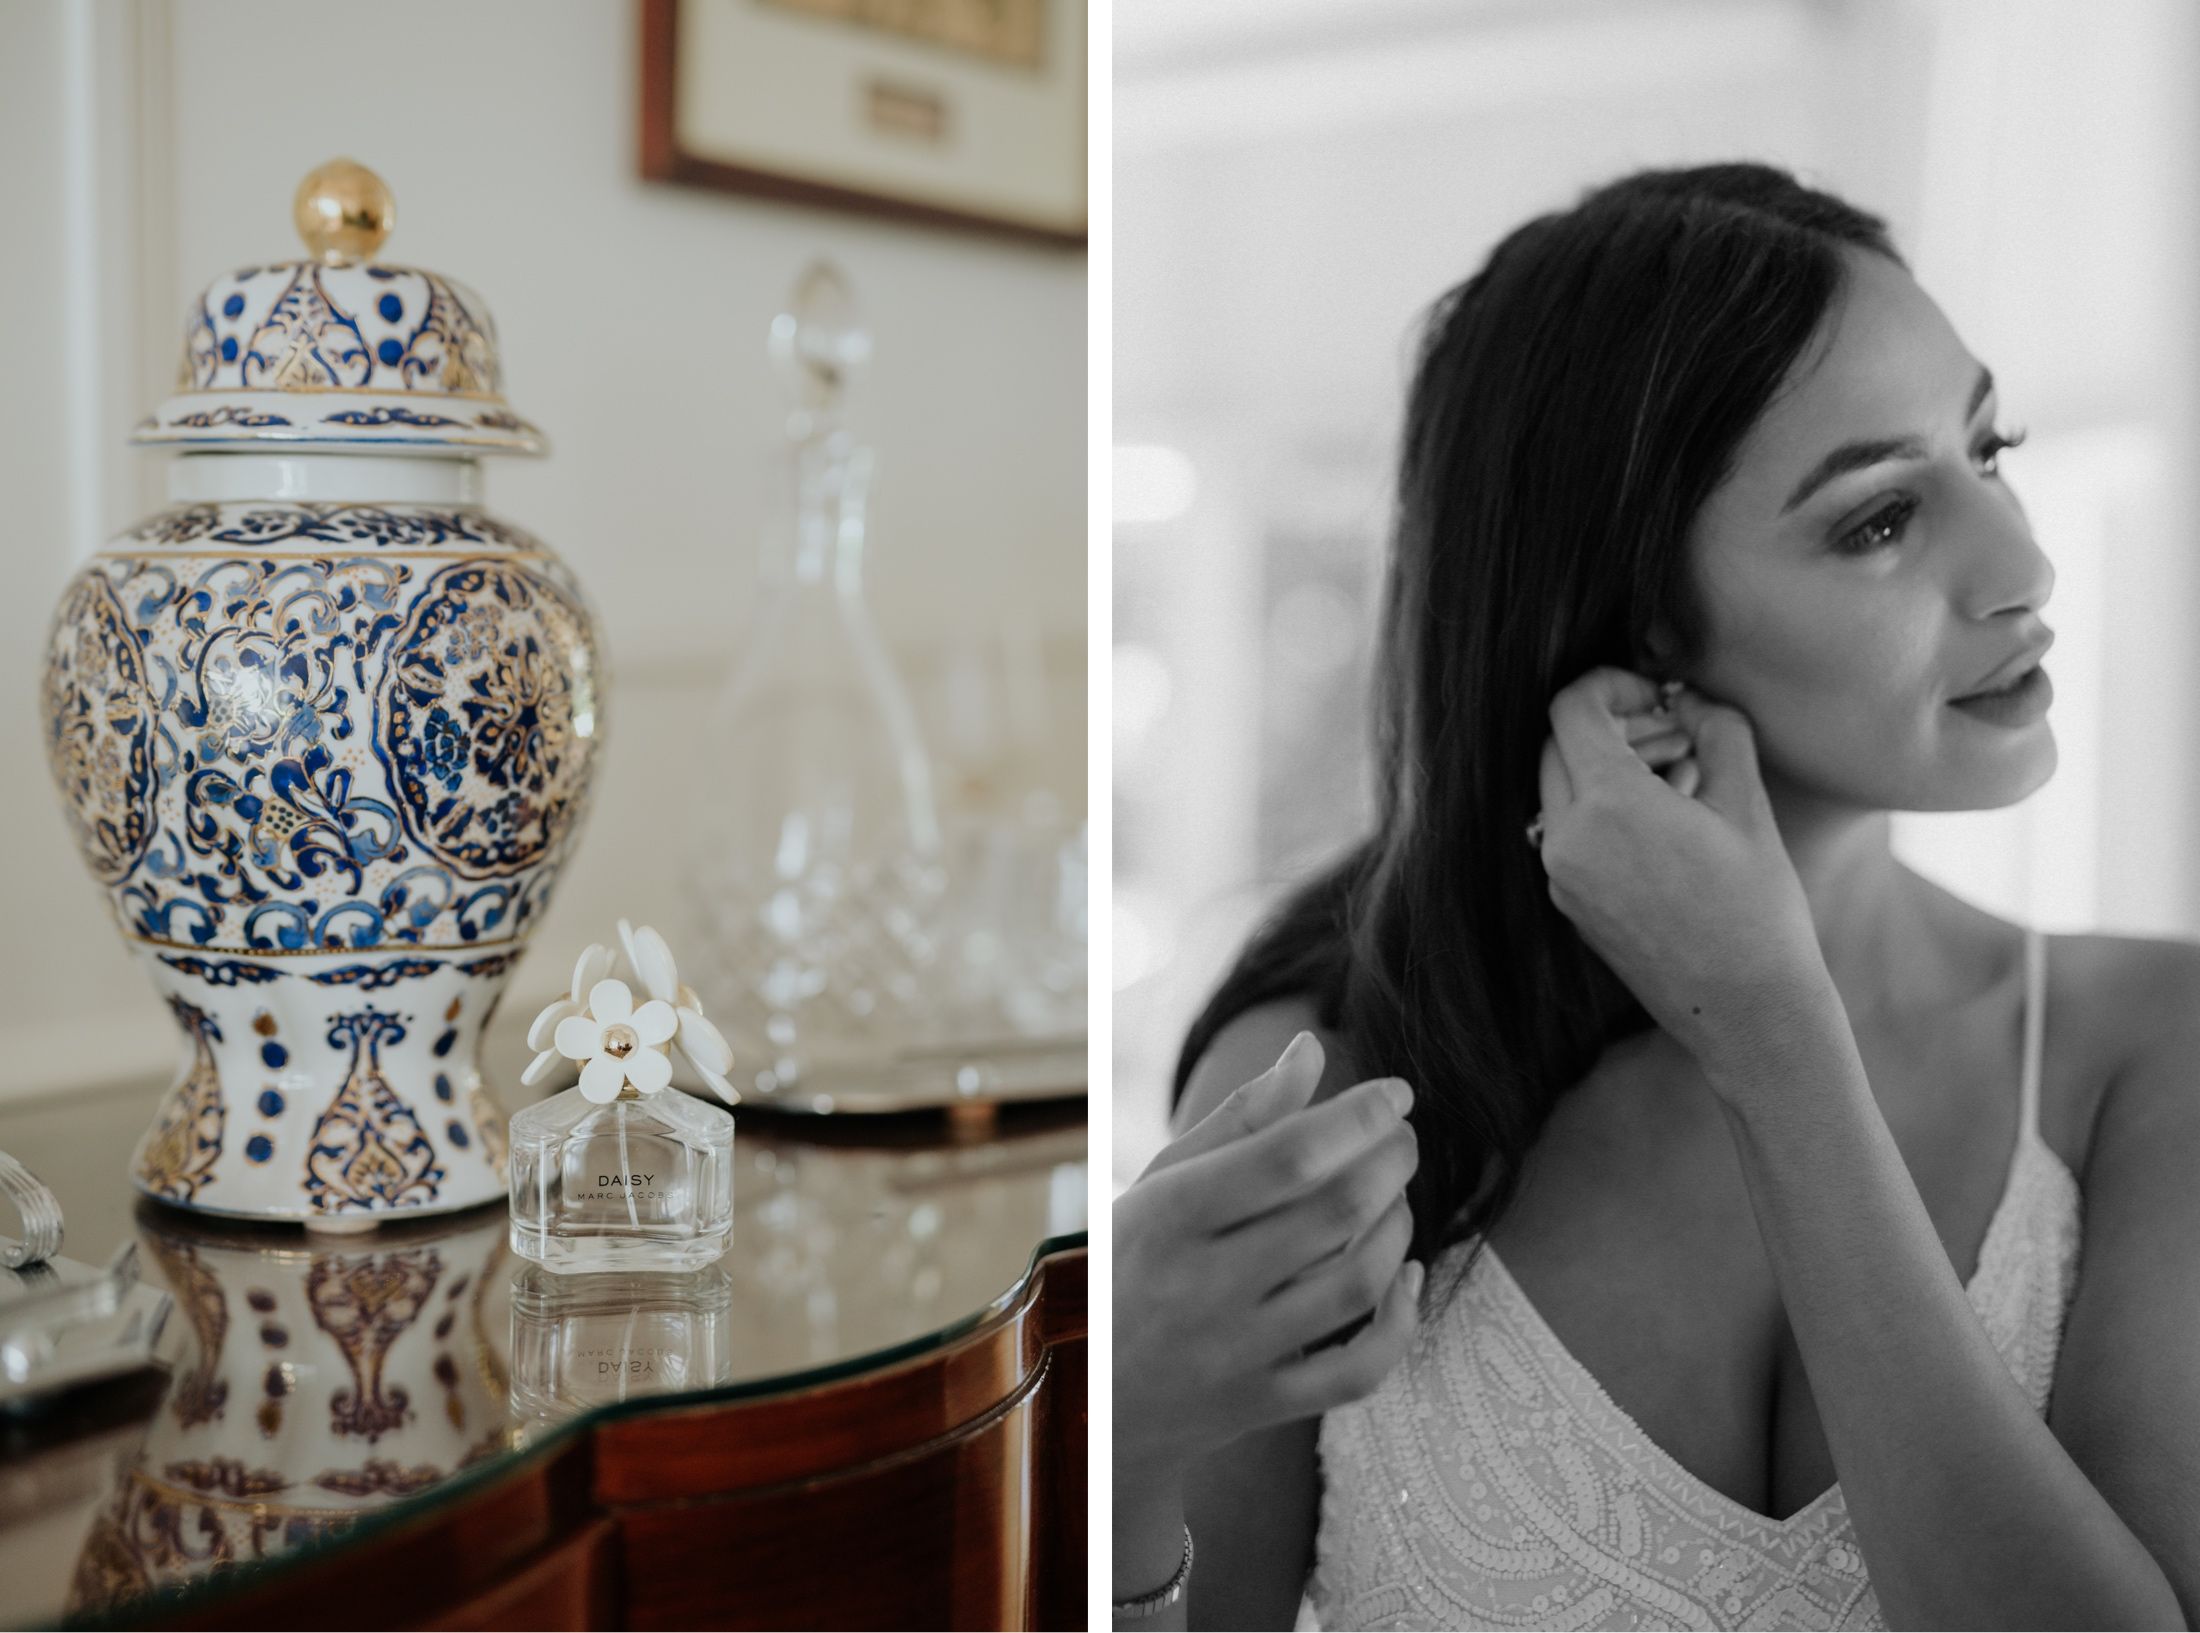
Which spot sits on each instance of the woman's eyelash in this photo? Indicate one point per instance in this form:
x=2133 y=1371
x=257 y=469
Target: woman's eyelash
x=1885 y=525
x=1999 y=442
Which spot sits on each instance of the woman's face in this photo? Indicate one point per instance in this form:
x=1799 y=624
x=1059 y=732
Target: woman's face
x=1865 y=566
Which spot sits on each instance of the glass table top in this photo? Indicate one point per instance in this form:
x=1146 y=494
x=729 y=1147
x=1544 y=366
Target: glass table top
x=308 y=1382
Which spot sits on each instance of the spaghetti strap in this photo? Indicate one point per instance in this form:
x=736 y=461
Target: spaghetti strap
x=2035 y=1028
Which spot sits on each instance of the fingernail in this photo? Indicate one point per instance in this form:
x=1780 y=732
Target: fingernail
x=1416 y=1274
x=1293 y=1049
x=1399 y=1093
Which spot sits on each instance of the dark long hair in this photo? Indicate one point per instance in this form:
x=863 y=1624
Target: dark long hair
x=1574 y=404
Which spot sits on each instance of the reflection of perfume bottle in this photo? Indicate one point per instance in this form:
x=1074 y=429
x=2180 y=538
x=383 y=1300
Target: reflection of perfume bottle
x=643 y=1182
x=582 y=1343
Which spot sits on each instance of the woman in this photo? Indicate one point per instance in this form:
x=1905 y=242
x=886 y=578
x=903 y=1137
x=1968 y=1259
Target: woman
x=1744 y=1161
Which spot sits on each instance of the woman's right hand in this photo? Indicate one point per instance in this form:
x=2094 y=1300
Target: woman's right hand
x=1677 y=875
x=1260 y=1231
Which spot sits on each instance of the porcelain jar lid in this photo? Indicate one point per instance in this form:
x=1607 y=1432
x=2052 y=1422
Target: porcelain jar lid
x=341 y=352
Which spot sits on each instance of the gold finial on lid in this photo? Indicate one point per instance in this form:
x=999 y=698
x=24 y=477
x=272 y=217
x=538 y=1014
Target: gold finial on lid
x=343 y=211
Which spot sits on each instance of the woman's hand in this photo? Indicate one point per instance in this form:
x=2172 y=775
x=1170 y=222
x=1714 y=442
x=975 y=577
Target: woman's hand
x=1259 y=1232
x=1662 y=849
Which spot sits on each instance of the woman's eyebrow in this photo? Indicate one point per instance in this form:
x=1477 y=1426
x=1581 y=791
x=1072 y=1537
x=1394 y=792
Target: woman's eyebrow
x=1856 y=456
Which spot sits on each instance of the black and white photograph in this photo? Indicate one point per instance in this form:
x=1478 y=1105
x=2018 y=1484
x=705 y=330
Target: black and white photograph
x=1656 y=742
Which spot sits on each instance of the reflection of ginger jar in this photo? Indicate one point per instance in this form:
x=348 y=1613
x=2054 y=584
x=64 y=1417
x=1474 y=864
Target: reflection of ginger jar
x=313 y=1385
x=324 y=729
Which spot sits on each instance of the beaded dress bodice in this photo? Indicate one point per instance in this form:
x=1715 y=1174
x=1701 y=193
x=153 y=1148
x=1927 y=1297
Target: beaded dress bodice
x=1491 y=1482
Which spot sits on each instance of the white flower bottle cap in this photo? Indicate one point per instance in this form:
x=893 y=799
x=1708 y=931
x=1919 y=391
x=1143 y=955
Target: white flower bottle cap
x=625 y=1048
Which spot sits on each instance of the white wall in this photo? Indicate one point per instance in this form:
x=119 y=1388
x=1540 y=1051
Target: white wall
x=149 y=147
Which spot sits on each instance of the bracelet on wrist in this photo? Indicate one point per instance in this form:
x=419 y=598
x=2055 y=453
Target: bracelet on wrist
x=1154 y=1603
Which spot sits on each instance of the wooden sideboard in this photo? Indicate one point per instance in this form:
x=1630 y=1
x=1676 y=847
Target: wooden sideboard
x=946 y=1490
x=873 y=1416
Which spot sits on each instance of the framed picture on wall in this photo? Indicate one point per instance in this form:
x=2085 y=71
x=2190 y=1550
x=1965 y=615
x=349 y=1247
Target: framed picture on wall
x=959 y=113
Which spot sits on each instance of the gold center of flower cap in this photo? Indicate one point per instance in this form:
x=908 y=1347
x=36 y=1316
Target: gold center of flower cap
x=343 y=211
x=620 y=1041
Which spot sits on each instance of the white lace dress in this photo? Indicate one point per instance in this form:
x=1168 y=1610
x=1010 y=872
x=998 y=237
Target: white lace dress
x=1490 y=1482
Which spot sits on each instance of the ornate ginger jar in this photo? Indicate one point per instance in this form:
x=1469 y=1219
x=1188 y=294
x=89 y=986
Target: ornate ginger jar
x=324 y=729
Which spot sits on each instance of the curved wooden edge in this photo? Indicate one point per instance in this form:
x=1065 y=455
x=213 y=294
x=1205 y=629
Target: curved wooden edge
x=775 y=1439
x=635 y=1518
x=664 y=159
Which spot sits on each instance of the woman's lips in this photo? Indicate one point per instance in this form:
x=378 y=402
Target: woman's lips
x=2018 y=704
x=2011 y=669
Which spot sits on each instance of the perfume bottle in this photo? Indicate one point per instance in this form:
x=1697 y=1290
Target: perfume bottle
x=579 y=1342
x=819 y=866
x=644 y=1182
x=616 y=1173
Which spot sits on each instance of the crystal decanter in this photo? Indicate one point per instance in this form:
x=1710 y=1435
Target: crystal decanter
x=819 y=860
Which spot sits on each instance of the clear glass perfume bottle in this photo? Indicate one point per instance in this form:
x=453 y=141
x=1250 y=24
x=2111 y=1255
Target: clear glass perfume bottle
x=579 y=1342
x=642 y=1182
x=819 y=858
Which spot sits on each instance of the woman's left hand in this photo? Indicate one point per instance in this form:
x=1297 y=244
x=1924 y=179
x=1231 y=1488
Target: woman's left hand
x=1682 y=886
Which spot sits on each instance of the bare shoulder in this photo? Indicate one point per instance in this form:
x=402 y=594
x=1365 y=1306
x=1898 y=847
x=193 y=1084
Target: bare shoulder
x=2128 y=1008
x=2130 y=996
x=2132 y=983
x=2126 y=1402
x=1248 y=1045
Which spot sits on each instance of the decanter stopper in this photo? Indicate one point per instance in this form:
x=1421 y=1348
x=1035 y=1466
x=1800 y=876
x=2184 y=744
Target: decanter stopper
x=343 y=211
x=818 y=342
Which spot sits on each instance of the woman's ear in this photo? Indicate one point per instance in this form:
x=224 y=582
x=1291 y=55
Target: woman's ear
x=1657 y=652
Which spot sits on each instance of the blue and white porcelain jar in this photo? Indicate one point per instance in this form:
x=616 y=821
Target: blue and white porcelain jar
x=324 y=729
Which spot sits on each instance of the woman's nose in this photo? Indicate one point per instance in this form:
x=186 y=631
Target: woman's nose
x=2005 y=570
